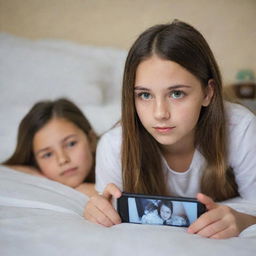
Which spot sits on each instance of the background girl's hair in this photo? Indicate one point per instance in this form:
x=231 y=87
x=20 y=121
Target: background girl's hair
x=141 y=158
x=39 y=115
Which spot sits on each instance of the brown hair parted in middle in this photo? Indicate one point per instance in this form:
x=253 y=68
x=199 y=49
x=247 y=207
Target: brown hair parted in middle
x=141 y=156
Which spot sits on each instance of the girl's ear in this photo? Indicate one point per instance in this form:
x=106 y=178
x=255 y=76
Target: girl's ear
x=93 y=139
x=209 y=92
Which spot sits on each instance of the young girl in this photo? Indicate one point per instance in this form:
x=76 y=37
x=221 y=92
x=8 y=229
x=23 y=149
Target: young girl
x=177 y=136
x=165 y=211
x=56 y=141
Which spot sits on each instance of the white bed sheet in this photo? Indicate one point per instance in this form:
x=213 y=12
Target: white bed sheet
x=42 y=217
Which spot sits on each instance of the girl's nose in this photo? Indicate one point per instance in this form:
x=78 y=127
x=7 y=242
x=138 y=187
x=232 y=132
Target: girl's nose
x=63 y=158
x=162 y=110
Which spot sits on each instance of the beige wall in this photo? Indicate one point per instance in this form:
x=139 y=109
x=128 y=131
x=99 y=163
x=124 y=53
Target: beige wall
x=228 y=25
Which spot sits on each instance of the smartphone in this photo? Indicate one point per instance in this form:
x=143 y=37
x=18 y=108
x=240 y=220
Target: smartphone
x=159 y=210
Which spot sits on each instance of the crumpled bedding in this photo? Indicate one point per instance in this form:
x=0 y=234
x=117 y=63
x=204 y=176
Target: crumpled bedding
x=42 y=217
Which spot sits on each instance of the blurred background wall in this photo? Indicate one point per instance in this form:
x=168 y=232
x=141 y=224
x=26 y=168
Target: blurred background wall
x=228 y=25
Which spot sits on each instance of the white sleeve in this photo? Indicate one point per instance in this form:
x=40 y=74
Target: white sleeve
x=243 y=156
x=108 y=160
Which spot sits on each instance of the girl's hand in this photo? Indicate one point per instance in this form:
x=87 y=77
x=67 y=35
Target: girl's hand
x=100 y=210
x=220 y=221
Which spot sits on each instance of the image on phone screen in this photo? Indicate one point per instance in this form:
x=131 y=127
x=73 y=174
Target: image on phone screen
x=159 y=211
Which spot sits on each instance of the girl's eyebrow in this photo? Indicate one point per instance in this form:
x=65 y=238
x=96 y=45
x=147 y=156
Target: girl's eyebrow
x=140 y=88
x=42 y=150
x=68 y=137
x=172 y=87
x=178 y=86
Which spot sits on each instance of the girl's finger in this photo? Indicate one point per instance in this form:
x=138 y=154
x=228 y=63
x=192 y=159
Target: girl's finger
x=226 y=233
x=207 y=201
x=204 y=220
x=91 y=218
x=213 y=229
x=112 y=191
x=96 y=216
x=104 y=211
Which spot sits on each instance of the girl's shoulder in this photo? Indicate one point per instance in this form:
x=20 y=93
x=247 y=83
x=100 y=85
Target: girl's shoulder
x=238 y=116
x=113 y=133
x=112 y=138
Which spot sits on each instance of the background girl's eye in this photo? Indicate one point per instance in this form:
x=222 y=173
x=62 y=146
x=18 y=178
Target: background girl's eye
x=71 y=143
x=47 y=155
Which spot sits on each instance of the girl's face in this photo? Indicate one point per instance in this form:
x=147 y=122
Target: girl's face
x=63 y=152
x=165 y=212
x=168 y=101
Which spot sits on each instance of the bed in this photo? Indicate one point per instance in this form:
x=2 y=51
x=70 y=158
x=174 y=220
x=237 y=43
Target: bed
x=41 y=217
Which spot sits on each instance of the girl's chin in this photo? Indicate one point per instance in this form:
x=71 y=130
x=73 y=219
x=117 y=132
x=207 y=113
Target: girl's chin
x=165 y=142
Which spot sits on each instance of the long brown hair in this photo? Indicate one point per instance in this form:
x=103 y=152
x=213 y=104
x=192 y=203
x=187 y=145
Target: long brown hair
x=141 y=156
x=39 y=115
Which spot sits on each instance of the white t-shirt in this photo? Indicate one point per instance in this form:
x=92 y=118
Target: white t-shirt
x=241 y=149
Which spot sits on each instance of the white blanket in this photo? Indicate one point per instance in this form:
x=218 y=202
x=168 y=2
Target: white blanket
x=42 y=217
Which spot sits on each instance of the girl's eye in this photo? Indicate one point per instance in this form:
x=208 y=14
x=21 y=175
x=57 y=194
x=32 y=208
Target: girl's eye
x=47 y=155
x=71 y=143
x=177 y=94
x=145 y=96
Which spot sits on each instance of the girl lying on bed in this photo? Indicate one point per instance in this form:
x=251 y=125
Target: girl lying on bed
x=56 y=141
x=177 y=135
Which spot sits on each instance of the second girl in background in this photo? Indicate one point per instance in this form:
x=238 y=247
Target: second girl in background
x=56 y=141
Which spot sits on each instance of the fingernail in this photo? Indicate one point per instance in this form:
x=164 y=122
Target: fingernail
x=190 y=230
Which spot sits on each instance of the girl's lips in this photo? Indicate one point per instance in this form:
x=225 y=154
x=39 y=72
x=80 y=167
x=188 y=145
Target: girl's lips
x=163 y=129
x=69 y=172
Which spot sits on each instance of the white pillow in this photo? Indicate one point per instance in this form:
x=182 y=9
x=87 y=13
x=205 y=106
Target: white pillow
x=108 y=58
x=30 y=72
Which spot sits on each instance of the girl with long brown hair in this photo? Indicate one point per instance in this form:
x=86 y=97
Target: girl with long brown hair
x=177 y=135
x=56 y=141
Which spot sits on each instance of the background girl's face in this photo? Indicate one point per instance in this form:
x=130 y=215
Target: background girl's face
x=165 y=212
x=168 y=101
x=63 y=152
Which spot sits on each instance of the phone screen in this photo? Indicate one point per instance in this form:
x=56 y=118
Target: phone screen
x=142 y=209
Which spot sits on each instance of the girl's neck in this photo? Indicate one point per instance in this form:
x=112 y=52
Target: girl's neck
x=179 y=162
x=182 y=147
x=179 y=157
